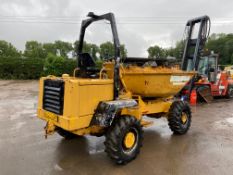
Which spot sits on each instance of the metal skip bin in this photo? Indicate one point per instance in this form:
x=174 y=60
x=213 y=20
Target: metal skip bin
x=154 y=82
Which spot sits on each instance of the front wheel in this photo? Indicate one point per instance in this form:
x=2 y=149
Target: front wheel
x=124 y=139
x=179 y=117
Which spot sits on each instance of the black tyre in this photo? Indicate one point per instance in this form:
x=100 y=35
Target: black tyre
x=66 y=134
x=179 y=117
x=124 y=139
x=230 y=91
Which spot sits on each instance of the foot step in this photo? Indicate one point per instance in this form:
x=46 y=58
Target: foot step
x=145 y=123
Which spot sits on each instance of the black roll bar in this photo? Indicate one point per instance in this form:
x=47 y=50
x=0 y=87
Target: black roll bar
x=111 y=18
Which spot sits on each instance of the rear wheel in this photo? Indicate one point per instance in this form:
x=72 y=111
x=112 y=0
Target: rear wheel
x=124 y=139
x=66 y=134
x=179 y=117
x=230 y=92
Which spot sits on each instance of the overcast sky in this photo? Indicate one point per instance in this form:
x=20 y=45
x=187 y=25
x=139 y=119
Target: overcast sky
x=141 y=23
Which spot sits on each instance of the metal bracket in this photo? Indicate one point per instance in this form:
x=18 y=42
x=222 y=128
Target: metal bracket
x=49 y=129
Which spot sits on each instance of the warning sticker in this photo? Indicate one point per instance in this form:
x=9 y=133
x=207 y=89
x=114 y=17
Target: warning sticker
x=179 y=80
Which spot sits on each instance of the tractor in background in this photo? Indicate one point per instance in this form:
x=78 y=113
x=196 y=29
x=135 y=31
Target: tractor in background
x=211 y=81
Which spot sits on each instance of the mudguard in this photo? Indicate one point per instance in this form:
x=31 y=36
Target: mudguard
x=106 y=111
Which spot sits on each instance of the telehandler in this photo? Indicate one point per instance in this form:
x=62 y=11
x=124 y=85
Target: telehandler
x=112 y=101
x=210 y=81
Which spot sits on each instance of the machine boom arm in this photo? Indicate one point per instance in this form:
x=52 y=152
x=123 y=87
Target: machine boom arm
x=193 y=47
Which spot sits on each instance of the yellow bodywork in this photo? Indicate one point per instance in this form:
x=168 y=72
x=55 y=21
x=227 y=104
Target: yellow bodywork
x=129 y=140
x=230 y=70
x=82 y=96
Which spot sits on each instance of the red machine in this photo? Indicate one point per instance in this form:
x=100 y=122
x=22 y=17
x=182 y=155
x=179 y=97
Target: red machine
x=211 y=81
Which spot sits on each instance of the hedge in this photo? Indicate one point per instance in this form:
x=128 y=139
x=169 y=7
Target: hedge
x=34 y=68
x=28 y=68
x=20 y=68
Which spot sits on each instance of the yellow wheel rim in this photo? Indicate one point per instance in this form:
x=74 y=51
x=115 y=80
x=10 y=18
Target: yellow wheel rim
x=129 y=140
x=184 y=118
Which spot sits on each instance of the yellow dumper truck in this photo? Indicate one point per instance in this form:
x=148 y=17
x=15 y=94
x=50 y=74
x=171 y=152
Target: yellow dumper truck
x=113 y=100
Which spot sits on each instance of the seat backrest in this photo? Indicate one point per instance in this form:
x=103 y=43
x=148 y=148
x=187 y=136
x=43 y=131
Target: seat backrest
x=85 y=61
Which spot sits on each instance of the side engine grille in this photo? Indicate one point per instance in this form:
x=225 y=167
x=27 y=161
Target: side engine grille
x=53 y=98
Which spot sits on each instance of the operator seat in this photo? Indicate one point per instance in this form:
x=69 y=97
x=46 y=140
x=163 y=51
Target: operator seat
x=87 y=65
x=85 y=61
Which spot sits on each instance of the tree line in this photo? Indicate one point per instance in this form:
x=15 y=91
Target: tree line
x=41 y=59
x=35 y=49
x=221 y=44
